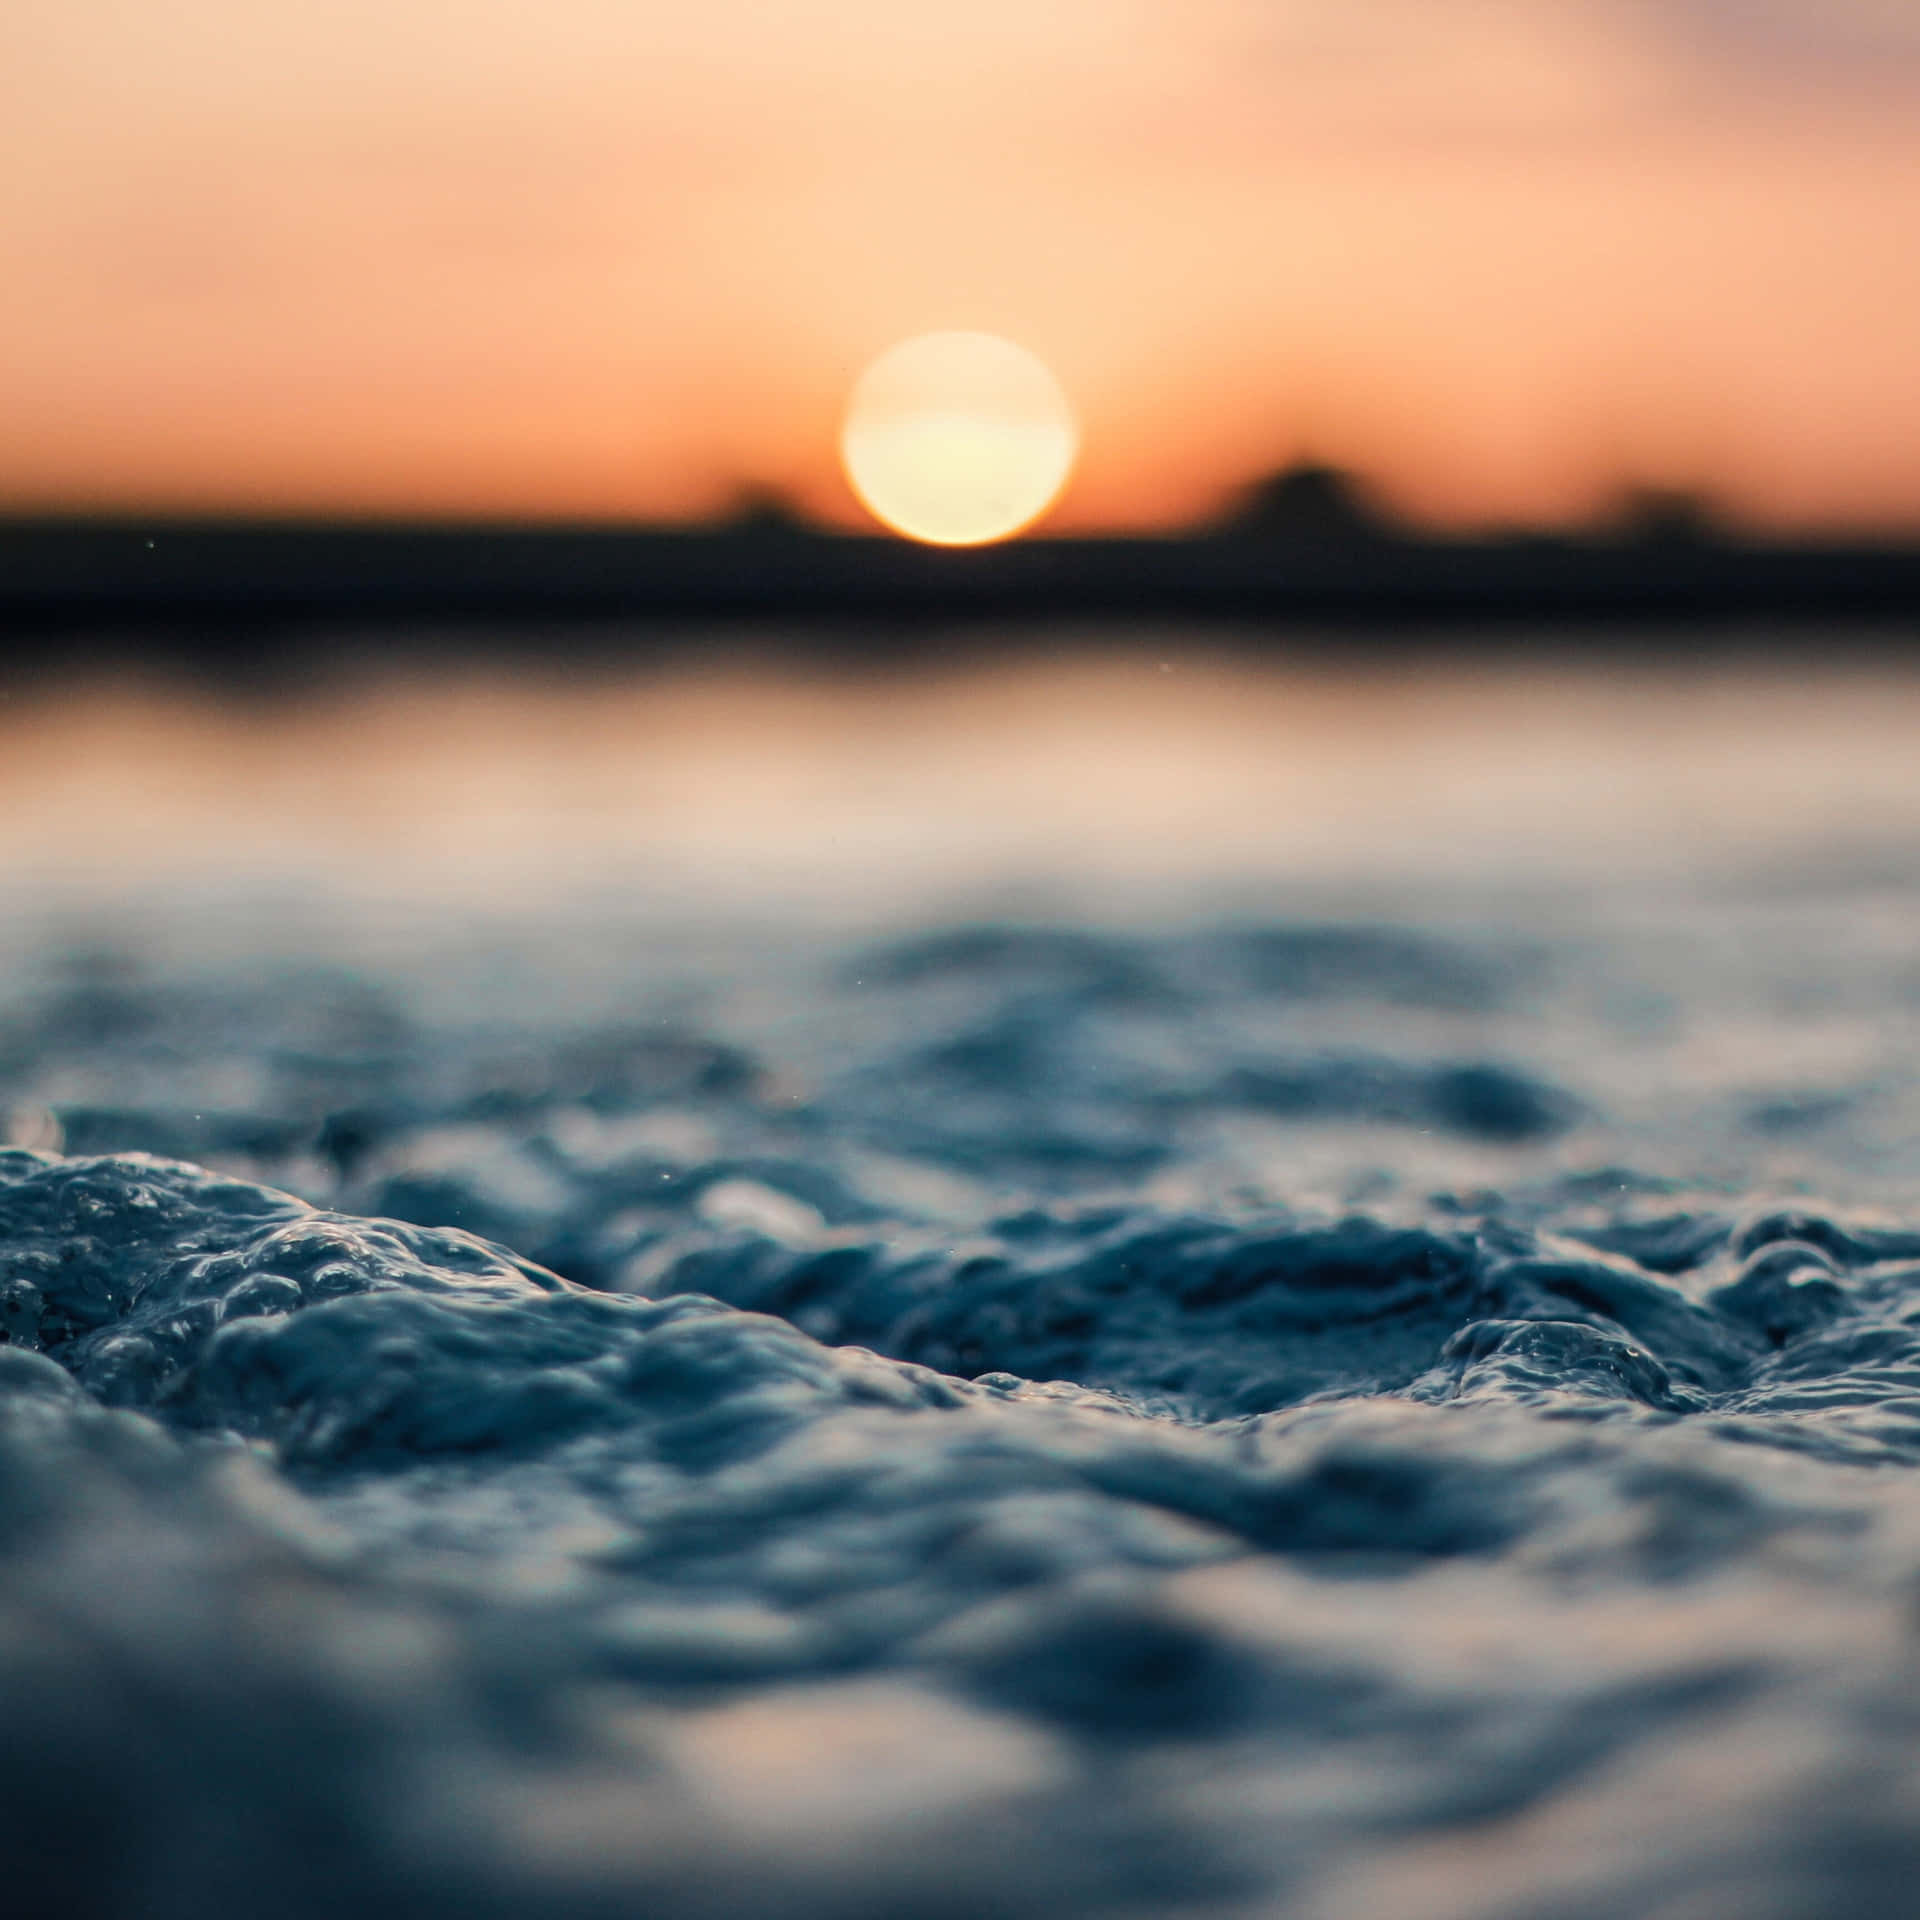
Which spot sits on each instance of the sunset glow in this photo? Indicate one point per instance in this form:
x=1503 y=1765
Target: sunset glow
x=958 y=439
x=1502 y=256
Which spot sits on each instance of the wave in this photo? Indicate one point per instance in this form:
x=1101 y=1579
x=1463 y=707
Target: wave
x=910 y=1467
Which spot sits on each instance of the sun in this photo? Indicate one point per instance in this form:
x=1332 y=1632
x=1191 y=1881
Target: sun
x=958 y=438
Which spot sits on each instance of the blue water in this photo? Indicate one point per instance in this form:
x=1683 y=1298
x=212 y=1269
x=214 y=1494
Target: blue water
x=1274 y=1414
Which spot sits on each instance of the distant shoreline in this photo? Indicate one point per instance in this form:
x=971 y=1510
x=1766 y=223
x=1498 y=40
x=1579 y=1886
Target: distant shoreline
x=206 y=585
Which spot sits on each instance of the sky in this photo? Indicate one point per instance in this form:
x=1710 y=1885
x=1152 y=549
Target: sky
x=615 y=258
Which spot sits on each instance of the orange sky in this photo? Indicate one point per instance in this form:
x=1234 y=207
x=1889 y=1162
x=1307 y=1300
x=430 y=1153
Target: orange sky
x=612 y=257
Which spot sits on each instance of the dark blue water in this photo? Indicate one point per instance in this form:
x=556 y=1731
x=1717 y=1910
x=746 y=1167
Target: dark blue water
x=1278 y=1414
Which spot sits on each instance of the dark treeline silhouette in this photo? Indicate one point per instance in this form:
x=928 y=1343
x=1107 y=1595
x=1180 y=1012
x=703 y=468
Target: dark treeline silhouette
x=1310 y=546
x=1310 y=503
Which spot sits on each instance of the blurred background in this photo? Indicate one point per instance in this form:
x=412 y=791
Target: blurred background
x=622 y=262
x=1499 y=440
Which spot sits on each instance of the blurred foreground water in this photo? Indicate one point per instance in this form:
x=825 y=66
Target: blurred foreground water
x=1120 y=1284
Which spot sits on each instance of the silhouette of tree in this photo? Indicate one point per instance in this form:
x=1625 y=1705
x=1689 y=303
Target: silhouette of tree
x=762 y=511
x=1311 y=503
x=1665 y=517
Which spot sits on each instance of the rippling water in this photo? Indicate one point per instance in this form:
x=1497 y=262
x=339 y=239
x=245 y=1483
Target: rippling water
x=771 y=1358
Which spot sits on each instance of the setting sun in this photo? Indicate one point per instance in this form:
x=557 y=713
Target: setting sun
x=958 y=438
